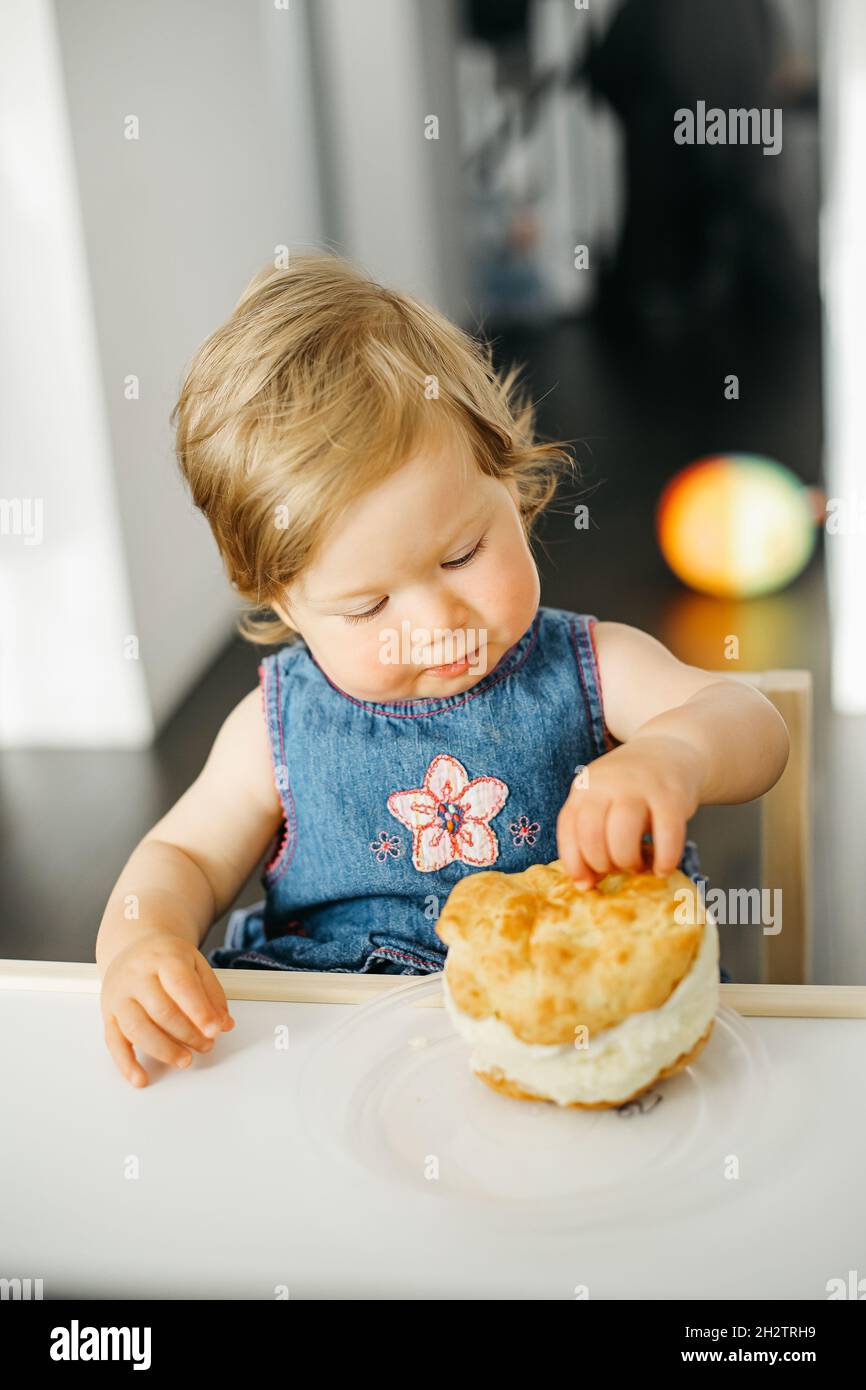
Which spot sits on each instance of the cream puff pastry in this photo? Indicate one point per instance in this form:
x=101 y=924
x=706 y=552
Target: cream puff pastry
x=585 y=998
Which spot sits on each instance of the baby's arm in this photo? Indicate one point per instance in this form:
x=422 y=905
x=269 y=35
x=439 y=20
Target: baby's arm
x=158 y=990
x=687 y=737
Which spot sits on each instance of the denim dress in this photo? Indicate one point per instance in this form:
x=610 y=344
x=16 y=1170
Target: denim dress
x=387 y=806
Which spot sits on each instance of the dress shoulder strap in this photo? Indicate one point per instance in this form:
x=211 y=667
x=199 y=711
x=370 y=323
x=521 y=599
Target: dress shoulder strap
x=576 y=631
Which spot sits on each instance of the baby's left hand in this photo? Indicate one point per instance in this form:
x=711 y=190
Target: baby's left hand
x=651 y=784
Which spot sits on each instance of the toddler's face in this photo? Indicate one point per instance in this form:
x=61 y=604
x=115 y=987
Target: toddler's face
x=428 y=567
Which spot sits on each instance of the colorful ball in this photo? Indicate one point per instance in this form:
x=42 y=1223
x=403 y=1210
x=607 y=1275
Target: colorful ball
x=736 y=525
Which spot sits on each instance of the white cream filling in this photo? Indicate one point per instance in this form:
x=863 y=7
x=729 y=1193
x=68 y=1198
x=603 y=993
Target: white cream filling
x=616 y=1061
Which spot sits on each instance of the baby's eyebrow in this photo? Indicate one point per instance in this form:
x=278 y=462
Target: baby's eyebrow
x=372 y=589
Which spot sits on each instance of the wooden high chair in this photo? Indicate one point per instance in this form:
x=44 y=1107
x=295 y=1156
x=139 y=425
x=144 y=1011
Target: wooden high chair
x=786 y=830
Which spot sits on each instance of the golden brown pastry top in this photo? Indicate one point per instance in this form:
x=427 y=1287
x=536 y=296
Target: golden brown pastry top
x=546 y=957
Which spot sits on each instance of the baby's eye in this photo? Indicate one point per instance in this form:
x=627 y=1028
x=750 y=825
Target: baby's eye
x=365 y=617
x=446 y=565
x=464 y=559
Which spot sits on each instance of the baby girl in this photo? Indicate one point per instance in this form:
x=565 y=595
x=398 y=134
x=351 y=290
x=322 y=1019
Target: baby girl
x=372 y=484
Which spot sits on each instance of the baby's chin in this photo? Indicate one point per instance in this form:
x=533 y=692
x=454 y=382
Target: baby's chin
x=419 y=683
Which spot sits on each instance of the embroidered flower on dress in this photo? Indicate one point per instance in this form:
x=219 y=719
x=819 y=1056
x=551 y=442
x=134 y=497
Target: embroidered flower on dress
x=448 y=815
x=385 y=845
x=524 y=832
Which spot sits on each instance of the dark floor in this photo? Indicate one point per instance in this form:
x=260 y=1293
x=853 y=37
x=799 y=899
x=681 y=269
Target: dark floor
x=639 y=411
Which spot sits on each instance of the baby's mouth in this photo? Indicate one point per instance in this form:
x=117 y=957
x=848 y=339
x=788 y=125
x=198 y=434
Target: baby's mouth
x=452 y=668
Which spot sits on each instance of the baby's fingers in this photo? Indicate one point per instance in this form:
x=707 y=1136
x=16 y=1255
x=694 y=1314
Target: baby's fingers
x=182 y=981
x=214 y=990
x=568 y=845
x=669 y=835
x=123 y=1053
x=158 y=996
x=591 y=821
x=626 y=822
x=142 y=1032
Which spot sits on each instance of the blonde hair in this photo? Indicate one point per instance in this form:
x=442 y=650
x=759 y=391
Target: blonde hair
x=320 y=384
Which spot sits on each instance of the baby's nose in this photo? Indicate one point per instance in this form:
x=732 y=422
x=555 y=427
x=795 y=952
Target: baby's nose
x=439 y=618
x=443 y=642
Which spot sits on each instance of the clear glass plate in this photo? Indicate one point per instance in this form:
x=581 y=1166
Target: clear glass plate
x=390 y=1091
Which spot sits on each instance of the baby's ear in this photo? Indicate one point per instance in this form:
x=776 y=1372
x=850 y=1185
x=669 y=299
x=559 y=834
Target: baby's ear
x=283 y=614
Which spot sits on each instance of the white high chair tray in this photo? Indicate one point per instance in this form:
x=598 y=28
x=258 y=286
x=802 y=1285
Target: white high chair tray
x=332 y=1150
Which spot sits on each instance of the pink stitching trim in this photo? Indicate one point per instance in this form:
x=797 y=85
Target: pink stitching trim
x=387 y=952
x=279 y=844
x=590 y=627
x=586 y=698
x=290 y=820
x=279 y=839
x=446 y=709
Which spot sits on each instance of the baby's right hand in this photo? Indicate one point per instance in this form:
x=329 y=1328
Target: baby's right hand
x=162 y=995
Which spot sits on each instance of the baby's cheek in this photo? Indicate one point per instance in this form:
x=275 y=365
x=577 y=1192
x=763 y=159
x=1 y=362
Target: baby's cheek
x=388 y=679
x=375 y=667
x=509 y=596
